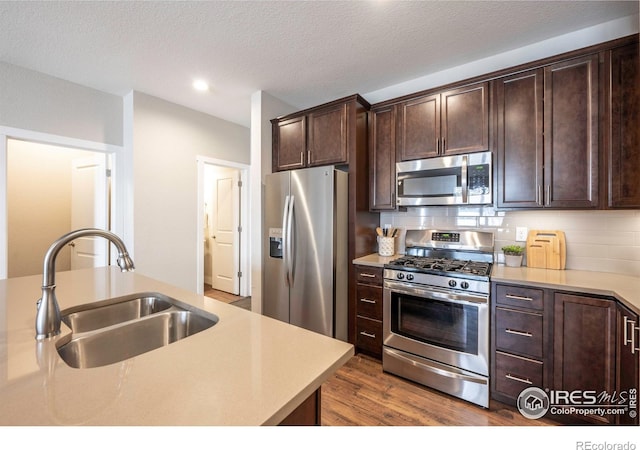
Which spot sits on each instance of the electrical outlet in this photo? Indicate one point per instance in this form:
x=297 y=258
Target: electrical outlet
x=521 y=234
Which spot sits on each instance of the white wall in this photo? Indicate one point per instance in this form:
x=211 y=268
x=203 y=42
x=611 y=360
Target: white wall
x=39 y=204
x=166 y=138
x=34 y=101
x=264 y=107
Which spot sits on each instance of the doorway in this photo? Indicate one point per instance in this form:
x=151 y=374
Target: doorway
x=222 y=232
x=52 y=190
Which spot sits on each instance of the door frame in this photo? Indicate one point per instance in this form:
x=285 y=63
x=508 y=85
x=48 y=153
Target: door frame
x=245 y=280
x=119 y=201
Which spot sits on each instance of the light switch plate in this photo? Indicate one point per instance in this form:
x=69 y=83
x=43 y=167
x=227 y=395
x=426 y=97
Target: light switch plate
x=521 y=234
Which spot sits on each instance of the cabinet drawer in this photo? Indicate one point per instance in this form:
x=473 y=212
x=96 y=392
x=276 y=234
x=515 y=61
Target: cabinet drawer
x=520 y=297
x=514 y=374
x=519 y=332
x=369 y=275
x=369 y=336
x=369 y=301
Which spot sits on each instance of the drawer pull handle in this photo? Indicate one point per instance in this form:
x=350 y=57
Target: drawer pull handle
x=519 y=333
x=630 y=330
x=366 y=300
x=518 y=297
x=369 y=335
x=368 y=275
x=521 y=380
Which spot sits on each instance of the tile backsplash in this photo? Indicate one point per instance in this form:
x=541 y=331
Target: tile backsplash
x=605 y=241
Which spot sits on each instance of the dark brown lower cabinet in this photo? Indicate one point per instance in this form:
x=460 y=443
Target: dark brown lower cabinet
x=584 y=347
x=576 y=347
x=369 y=310
x=308 y=413
x=628 y=363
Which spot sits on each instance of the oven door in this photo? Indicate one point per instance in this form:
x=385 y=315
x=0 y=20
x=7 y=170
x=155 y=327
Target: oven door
x=447 y=326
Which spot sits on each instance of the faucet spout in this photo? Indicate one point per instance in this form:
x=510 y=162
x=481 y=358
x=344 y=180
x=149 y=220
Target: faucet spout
x=48 y=315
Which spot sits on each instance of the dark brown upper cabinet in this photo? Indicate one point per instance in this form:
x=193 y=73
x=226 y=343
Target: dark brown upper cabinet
x=446 y=123
x=328 y=136
x=382 y=158
x=290 y=138
x=519 y=139
x=547 y=136
x=571 y=121
x=314 y=137
x=623 y=127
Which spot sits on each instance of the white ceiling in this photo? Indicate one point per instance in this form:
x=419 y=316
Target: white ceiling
x=302 y=52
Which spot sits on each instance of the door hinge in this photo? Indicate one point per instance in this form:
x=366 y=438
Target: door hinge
x=240 y=229
x=239 y=274
x=108 y=172
x=239 y=183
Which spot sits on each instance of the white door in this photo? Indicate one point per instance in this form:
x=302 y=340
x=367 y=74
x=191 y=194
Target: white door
x=89 y=206
x=225 y=237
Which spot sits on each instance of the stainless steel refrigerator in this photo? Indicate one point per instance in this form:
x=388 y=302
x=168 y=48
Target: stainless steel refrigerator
x=305 y=254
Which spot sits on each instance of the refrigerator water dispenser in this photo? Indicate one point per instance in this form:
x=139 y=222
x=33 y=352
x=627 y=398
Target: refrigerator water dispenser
x=275 y=242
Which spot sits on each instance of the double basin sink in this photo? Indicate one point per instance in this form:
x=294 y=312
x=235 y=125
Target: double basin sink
x=117 y=329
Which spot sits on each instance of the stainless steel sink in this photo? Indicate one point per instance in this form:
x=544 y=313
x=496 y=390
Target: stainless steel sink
x=110 y=312
x=115 y=330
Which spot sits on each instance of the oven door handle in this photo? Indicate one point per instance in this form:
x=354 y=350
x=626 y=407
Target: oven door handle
x=436 y=293
x=444 y=373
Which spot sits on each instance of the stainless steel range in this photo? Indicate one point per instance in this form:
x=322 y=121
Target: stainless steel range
x=436 y=312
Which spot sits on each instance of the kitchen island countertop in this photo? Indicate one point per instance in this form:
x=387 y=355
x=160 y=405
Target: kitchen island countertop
x=248 y=369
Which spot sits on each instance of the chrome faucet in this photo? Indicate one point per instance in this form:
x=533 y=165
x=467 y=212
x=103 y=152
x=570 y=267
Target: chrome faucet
x=48 y=315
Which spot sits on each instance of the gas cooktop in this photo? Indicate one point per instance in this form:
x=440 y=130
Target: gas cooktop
x=447 y=253
x=443 y=266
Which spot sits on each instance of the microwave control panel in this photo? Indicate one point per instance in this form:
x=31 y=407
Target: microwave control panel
x=479 y=179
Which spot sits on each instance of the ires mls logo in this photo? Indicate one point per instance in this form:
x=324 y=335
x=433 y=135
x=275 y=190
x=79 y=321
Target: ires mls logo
x=533 y=403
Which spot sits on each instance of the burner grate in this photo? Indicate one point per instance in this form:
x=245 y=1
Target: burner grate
x=443 y=265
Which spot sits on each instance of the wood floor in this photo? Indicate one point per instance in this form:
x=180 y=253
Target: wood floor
x=220 y=295
x=360 y=393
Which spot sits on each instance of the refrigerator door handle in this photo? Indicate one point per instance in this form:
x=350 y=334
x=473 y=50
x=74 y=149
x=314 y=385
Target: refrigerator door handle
x=285 y=217
x=290 y=241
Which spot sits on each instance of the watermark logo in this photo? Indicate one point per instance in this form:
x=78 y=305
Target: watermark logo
x=533 y=403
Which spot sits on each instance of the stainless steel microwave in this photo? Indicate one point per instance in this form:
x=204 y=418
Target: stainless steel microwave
x=446 y=180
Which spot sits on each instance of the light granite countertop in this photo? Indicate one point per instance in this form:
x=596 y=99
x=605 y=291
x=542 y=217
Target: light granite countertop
x=248 y=369
x=624 y=288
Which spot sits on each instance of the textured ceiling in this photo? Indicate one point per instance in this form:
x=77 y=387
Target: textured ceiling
x=303 y=52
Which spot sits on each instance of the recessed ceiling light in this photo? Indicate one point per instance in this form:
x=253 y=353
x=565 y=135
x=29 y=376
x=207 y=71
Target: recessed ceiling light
x=200 y=85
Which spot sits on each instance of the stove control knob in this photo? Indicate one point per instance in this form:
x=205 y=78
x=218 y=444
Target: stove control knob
x=452 y=283
x=400 y=276
x=464 y=285
x=409 y=276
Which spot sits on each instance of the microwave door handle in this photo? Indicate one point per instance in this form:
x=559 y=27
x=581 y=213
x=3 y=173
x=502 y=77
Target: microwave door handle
x=463 y=176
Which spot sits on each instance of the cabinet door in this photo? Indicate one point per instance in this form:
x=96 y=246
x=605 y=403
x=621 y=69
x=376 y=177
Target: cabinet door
x=627 y=370
x=465 y=120
x=624 y=131
x=382 y=159
x=571 y=133
x=519 y=100
x=328 y=136
x=419 y=128
x=584 y=345
x=289 y=144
